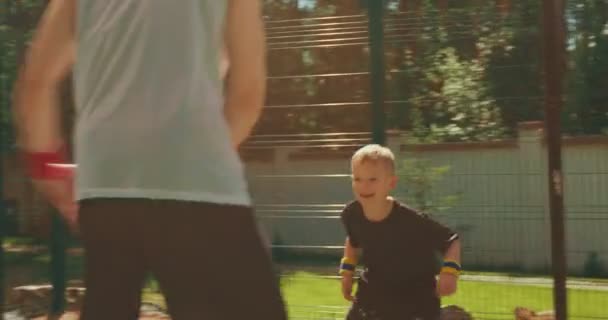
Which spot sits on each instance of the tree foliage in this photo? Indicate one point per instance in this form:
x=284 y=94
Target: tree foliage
x=456 y=71
x=465 y=70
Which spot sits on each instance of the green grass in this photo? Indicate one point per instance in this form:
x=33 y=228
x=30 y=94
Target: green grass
x=543 y=275
x=502 y=298
x=21 y=241
x=301 y=289
x=485 y=300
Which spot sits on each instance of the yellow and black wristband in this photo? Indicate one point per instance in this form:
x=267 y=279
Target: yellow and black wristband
x=451 y=267
x=347 y=266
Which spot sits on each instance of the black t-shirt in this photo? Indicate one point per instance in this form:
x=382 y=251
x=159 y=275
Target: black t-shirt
x=401 y=251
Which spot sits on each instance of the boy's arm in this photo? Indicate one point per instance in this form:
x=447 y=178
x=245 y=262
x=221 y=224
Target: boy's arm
x=351 y=244
x=350 y=252
x=246 y=79
x=347 y=266
x=448 y=278
x=349 y=259
x=453 y=251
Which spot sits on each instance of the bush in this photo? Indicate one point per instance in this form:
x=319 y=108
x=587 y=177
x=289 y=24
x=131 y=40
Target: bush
x=593 y=267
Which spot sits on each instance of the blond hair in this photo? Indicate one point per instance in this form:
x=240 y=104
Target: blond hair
x=375 y=153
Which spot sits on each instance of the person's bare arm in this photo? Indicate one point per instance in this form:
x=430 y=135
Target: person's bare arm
x=47 y=63
x=350 y=253
x=448 y=283
x=246 y=80
x=37 y=96
x=453 y=251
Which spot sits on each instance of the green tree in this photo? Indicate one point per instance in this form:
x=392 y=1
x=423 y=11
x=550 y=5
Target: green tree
x=514 y=70
x=586 y=110
x=420 y=179
x=441 y=83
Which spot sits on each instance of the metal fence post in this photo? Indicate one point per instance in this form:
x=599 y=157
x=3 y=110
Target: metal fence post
x=554 y=64
x=377 y=69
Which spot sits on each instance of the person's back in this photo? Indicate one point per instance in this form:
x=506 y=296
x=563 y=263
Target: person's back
x=150 y=102
x=160 y=187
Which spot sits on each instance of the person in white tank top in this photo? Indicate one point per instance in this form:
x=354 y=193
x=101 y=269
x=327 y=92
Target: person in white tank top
x=158 y=185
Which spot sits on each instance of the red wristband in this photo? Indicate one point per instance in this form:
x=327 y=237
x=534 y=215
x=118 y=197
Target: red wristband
x=47 y=165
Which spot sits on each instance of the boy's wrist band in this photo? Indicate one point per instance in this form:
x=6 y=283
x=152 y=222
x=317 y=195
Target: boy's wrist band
x=451 y=267
x=347 y=266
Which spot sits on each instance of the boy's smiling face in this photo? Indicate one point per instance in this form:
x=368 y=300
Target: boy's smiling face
x=372 y=181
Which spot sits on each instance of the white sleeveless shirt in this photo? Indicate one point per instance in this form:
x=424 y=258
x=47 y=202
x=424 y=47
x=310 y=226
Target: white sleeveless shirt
x=149 y=103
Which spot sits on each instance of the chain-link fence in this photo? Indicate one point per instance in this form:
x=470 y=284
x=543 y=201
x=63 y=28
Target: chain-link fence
x=463 y=98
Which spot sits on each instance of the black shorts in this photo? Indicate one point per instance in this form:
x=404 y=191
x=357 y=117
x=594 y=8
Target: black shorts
x=359 y=312
x=209 y=260
x=376 y=303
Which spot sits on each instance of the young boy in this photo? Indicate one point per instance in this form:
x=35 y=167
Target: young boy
x=399 y=245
